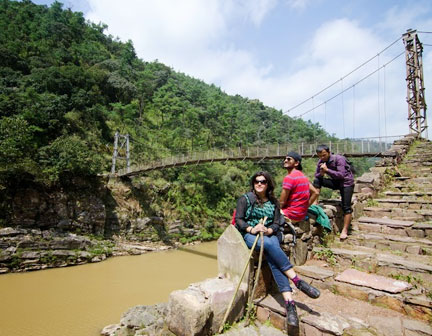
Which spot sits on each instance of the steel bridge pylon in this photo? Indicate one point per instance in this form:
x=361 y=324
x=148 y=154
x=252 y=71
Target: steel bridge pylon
x=415 y=89
x=118 y=137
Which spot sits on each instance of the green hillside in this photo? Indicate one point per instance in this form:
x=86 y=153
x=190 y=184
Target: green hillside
x=66 y=87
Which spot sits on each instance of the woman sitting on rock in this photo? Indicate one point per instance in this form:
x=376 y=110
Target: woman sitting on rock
x=251 y=208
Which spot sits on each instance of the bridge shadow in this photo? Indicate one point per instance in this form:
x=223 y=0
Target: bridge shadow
x=144 y=198
x=112 y=224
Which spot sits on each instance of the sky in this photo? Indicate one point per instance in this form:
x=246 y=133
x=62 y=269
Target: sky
x=285 y=52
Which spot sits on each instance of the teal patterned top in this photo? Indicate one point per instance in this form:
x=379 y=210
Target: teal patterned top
x=260 y=211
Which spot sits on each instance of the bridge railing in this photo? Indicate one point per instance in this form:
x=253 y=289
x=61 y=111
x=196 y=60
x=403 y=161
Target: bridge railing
x=351 y=147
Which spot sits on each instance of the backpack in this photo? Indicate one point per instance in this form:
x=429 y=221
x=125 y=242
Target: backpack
x=248 y=198
x=350 y=166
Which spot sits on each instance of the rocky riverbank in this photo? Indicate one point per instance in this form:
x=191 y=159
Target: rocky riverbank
x=86 y=221
x=151 y=320
x=34 y=249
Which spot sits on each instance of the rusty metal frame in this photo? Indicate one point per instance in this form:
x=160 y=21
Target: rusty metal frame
x=414 y=79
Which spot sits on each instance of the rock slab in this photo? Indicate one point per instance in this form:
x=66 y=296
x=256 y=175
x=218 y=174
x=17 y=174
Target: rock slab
x=377 y=282
x=232 y=256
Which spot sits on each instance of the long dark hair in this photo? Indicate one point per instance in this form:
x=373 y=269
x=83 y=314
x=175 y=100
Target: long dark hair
x=270 y=186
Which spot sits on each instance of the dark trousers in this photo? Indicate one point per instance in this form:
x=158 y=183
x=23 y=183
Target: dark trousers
x=345 y=192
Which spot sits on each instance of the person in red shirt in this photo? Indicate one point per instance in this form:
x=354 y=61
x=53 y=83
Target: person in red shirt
x=297 y=192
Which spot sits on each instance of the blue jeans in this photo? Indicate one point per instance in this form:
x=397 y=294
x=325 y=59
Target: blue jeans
x=276 y=259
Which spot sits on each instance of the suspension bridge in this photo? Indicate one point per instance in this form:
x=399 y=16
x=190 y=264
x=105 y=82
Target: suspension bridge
x=361 y=147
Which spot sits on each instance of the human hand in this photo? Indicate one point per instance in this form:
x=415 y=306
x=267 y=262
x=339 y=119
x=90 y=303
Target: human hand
x=323 y=168
x=269 y=232
x=260 y=228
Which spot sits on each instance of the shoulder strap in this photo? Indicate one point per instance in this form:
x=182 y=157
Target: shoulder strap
x=251 y=199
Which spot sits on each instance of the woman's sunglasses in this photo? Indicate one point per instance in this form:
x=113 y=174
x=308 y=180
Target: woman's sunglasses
x=260 y=182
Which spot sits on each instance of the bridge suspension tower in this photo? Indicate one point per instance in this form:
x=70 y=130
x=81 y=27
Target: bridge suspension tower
x=414 y=79
x=124 y=140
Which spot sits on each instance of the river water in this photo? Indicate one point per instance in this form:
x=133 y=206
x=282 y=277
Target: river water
x=81 y=300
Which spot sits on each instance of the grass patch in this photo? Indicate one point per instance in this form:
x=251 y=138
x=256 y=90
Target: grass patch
x=327 y=255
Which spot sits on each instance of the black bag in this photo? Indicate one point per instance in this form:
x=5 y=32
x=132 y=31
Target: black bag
x=350 y=166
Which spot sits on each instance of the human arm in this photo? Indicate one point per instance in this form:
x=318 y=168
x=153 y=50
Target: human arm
x=339 y=171
x=287 y=186
x=240 y=217
x=313 y=194
x=283 y=199
x=278 y=220
x=318 y=171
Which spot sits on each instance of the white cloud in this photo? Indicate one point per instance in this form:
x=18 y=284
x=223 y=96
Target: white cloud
x=298 y=4
x=258 y=9
x=194 y=37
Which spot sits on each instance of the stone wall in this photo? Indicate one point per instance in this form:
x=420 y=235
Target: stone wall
x=310 y=234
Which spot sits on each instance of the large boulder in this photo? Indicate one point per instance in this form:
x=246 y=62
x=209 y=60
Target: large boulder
x=233 y=256
x=219 y=293
x=188 y=312
x=200 y=309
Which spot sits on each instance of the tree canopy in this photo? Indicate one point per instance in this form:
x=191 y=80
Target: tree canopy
x=66 y=87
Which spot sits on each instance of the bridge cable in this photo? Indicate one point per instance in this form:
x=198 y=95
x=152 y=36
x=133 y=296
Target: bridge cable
x=325 y=115
x=343 y=110
x=385 y=104
x=348 y=74
x=378 y=96
x=358 y=82
x=353 y=112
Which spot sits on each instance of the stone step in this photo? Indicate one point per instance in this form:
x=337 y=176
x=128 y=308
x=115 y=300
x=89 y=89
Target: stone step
x=404 y=203
x=397 y=213
x=419 y=162
x=384 y=226
x=397 y=264
x=421 y=180
x=394 y=243
x=386 y=221
x=409 y=187
x=407 y=194
x=426 y=155
x=359 y=310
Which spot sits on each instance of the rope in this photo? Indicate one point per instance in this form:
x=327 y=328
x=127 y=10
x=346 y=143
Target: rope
x=358 y=82
x=353 y=109
x=379 y=109
x=343 y=111
x=385 y=105
x=249 y=304
x=351 y=72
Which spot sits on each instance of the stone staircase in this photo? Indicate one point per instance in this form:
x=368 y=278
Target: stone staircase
x=379 y=280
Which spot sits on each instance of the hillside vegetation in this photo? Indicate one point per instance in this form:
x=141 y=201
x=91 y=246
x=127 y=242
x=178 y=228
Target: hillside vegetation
x=66 y=87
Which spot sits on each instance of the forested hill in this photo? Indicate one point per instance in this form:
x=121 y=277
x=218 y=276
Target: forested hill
x=66 y=87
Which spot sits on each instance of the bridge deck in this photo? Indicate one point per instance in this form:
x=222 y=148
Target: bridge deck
x=163 y=164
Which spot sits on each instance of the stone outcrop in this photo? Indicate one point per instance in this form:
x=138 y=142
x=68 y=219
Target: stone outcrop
x=144 y=320
x=34 y=249
x=200 y=309
x=377 y=283
x=231 y=244
x=384 y=267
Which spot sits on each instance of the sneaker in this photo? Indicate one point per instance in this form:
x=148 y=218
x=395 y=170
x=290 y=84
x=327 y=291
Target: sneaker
x=291 y=315
x=308 y=289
